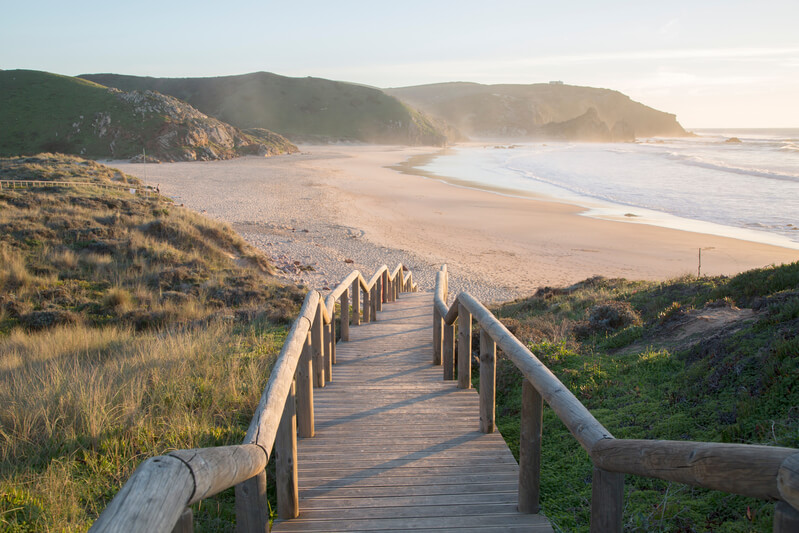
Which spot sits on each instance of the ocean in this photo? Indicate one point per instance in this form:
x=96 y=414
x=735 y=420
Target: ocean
x=747 y=190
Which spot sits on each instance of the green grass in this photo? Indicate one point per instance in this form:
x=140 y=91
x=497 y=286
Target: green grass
x=128 y=327
x=733 y=385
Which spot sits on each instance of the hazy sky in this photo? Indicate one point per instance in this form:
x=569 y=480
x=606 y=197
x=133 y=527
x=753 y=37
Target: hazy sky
x=713 y=63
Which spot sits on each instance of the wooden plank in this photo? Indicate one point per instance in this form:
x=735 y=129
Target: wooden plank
x=396 y=447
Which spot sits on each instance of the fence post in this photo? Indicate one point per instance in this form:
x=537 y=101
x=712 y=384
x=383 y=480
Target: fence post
x=607 y=501
x=328 y=343
x=786 y=518
x=488 y=381
x=379 y=293
x=530 y=431
x=384 y=286
x=464 y=348
x=332 y=339
x=367 y=305
x=318 y=342
x=185 y=523
x=374 y=301
x=437 y=336
x=304 y=396
x=286 y=484
x=356 y=303
x=448 y=353
x=252 y=506
x=345 y=316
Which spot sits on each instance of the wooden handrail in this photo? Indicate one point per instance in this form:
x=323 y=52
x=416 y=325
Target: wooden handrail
x=764 y=472
x=155 y=497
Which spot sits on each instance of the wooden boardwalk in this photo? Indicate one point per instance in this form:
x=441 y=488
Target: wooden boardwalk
x=396 y=447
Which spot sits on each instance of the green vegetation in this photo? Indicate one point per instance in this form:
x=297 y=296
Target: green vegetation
x=303 y=109
x=638 y=357
x=128 y=327
x=43 y=112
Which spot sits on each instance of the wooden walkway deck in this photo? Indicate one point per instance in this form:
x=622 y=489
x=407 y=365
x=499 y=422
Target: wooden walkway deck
x=399 y=449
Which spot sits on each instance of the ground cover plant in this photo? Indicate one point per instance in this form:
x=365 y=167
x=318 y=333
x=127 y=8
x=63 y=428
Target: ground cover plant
x=708 y=359
x=128 y=327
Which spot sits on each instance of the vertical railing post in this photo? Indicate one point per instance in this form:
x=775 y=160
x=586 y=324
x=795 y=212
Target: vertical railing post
x=318 y=343
x=345 y=316
x=252 y=506
x=488 y=381
x=464 y=348
x=374 y=300
x=379 y=293
x=328 y=348
x=304 y=396
x=786 y=518
x=333 y=338
x=356 y=303
x=530 y=431
x=286 y=484
x=448 y=352
x=367 y=305
x=397 y=286
x=185 y=523
x=607 y=501
x=437 y=335
x=384 y=286
x=390 y=287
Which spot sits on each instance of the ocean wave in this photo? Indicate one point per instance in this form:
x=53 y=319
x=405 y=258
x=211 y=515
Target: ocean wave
x=696 y=161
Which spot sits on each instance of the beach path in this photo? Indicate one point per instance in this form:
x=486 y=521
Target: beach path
x=396 y=447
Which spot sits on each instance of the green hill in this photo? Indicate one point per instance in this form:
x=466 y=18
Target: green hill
x=545 y=110
x=698 y=359
x=302 y=109
x=43 y=112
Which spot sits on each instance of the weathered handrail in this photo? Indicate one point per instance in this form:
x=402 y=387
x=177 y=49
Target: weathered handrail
x=156 y=496
x=764 y=472
x=19 y=184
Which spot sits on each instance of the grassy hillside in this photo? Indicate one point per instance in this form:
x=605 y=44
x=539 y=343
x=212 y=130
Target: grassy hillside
x=52 y=113
x=522 y=110
x=303 y=109
x=709 y=359
x=128 y=327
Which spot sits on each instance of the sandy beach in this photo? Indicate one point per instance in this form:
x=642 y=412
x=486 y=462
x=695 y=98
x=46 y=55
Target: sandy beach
x=335 y=208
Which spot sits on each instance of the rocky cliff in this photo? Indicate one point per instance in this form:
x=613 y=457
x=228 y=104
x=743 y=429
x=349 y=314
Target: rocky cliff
x=52 y=113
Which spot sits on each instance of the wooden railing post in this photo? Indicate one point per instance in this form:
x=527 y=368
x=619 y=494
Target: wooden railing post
x=379 y=293
x=488 y=381
x=448 y=351
x=286 y=484
x=345 y=316
x=367 y=306
x=328 y=343
x=252 y=506
x=185 y=522
x=397 y=286
x=356 y=303
x=304 y=396
x=464 y=347
x=333 y=338
x=530 y=431
x=437 y=336
x=374 y=300
x=607 y=501
x=786 y=518
x=318 y=343
x=384 y=287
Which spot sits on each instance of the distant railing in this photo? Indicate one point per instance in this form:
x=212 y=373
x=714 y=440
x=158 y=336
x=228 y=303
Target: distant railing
x=144 y=190
x=157 y=495
x=765 y=472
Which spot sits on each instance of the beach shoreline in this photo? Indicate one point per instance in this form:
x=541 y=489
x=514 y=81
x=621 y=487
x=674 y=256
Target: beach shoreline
x=334 y=208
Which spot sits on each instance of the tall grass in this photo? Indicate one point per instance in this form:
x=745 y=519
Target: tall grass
x=81 y=407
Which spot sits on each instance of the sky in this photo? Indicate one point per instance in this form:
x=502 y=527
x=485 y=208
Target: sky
x=713 y=63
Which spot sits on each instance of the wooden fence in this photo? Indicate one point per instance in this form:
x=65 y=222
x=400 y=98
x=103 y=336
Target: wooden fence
x=143 y=190
x=764 y=472
x=157 y=495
